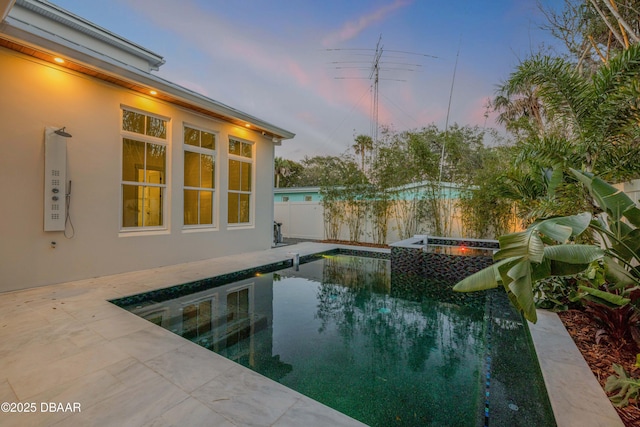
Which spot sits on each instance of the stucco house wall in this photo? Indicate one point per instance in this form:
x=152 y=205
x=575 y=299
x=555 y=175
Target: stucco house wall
x=39 y=95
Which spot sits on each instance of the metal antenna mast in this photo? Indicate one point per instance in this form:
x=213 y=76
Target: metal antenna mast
x=375 y=74
x=375 y=66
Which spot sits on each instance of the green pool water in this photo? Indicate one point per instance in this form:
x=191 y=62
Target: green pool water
x=388 y=351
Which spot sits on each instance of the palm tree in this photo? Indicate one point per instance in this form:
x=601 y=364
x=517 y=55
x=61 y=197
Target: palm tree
x=363 y=143
x=519 y=108
x=598 y=116
x=282 y=168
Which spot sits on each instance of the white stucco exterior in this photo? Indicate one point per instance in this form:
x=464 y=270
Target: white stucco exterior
x=37 y=94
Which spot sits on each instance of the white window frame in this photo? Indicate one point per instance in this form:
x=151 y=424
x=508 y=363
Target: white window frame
x=215 y=209
x=124 y=134
x=252 y=162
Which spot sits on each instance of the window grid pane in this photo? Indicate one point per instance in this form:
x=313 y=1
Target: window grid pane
x=207 y=168
x=234 y=175
x=199 y=177
x=155 y=162
x=246 y=150
x=234 y=147
x=133 y=122
x=233 y=208
x=143 y=162
x=245 y=183
x=191 y=169
x=152 y=207
x=156 y=127
x=244 y=208
x=208 y=140
x=240 y=182
x=190 y=207
x=131 y=206
x=206 y=207
x=192 y=137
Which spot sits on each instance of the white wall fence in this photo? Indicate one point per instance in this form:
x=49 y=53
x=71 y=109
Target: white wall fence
x=304 y=220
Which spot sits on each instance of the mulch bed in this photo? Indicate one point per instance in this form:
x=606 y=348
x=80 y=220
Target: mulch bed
x=601 y=356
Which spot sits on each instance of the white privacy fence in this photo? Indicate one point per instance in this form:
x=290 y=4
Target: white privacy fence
x=304 y=220
x=300 y=220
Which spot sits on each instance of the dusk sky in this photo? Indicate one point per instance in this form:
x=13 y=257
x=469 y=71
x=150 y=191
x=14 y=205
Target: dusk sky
x=305 y=65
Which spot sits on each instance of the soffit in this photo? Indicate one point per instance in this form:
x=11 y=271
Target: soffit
x=141 y=82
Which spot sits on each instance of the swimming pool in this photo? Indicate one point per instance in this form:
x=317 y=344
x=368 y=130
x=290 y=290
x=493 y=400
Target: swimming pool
x=385 y=350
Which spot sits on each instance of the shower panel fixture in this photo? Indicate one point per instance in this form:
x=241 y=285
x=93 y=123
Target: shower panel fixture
x=55 y=178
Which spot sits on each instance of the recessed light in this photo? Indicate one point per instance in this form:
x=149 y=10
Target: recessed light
x=59 y=60
x=247 y=125
x=153 y=92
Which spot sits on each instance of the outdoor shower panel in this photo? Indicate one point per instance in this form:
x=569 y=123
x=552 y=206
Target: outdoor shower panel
x=55 y=178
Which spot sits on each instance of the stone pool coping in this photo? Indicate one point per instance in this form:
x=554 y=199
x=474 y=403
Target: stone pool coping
x=576 y=397
x=66 y=343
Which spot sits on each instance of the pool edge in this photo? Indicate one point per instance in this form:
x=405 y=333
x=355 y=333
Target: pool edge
x=576 y=396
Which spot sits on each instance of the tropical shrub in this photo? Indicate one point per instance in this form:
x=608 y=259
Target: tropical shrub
x=626 y=387
x=549 y=248
x=611 y=291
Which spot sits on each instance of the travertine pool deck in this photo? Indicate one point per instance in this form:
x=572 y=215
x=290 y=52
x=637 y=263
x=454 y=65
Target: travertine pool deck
x=66 y=344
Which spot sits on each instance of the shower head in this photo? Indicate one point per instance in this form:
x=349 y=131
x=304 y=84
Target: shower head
x=62 y=132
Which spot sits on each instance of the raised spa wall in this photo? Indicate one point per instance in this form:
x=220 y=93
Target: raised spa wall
x=441 y=258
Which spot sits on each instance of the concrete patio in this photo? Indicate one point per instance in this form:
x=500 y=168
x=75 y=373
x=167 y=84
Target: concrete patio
x=67 y=344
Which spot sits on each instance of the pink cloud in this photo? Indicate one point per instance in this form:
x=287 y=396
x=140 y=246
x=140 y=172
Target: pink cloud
x=352 y=28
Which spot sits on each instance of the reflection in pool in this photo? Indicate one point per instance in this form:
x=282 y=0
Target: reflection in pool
x=388 y=351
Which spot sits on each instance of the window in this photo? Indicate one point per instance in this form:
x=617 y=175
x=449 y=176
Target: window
x=307 y=198
x=199 y=176
x=144 y=168
x=285 y=198
x=240 y=182
x=197 y=318
x=238 y=316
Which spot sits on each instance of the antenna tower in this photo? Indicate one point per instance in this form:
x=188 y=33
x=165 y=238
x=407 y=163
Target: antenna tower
x=375 y=74
x=376 y=64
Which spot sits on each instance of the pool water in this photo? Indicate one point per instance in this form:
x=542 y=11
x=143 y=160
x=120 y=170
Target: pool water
x=388 y=351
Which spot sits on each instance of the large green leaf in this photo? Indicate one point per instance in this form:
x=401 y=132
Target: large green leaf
x=559 y=268
x=561 y=228
x=574 y=254
x=558 y=232
x=541 y=270
x=555 y=179
x=530 y=243
x=487 y=278
x=605 y=296
x=523 y=244
x=620 y=229
x=504 y=268
x=633 y=215
x=615 y=201
x=629 y=246
x=626 y=387
x=609 y=198
x=617 y=274
x=521 y=286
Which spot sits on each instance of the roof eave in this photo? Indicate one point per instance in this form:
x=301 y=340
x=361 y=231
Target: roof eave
x=62 y=16
x=49 y=44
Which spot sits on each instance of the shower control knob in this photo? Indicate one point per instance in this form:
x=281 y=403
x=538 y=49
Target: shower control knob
x=55 y=190
x=54 y=198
